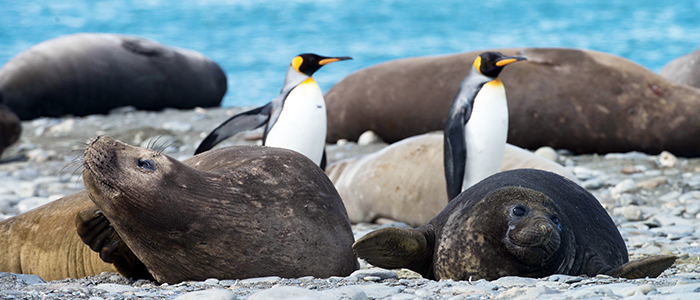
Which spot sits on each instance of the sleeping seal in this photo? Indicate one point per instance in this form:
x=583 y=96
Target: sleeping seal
x=257 y=211
x=523 y=222
x=581 y=100
x=405 y=181
x=91 y=73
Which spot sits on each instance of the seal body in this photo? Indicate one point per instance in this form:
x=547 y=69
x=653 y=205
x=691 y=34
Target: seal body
x=523 y=222
x=258 y=211
x=581 y=100
x=684 y=70
x=405 y=181
x=90 y=73
x=44 y=242
x=10 y=127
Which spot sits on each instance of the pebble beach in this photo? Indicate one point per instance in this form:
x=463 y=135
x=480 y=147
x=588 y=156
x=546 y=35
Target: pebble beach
x=653 y=199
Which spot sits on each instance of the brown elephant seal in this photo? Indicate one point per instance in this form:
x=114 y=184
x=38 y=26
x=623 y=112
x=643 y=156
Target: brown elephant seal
x=10 y=128
x=91 y=73
x=525 y=222
x=43 y=242
x=259 y=211
x=684 y=70
x=405 y=181
x=581 y=100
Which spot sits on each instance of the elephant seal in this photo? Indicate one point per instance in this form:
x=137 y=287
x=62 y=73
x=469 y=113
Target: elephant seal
x=10 y=128
x=259 y=211
x=91 y=73
x=581 y=100
x=405 y=181
x=684 y=70
x=43 y=242
x=524 y=222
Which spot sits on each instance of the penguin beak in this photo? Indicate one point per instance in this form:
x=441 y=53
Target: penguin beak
x=329 y=60
x=509 y=60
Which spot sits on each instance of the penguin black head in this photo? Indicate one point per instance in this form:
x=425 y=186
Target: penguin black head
x=491 y=63
x=309 y=63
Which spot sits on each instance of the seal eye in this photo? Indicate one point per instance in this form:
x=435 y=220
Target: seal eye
x=519 y=210
x=555 y=220
x=147 y=164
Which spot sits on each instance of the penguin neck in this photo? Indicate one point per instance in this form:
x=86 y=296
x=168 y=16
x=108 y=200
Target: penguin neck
x=485 y=133
x=293 y=78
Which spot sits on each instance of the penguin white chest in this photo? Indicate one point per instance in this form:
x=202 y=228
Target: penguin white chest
x=301 y=125
x=486 y=133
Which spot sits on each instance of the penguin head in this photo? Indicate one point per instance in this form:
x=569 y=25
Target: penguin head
x=309 y=63
x=491 y=63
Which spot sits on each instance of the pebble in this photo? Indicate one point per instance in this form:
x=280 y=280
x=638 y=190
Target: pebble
x=667 y=159
x=653 y=182
x=213 y=294
x=369 y=137
x=548 y=153
x=624 y=186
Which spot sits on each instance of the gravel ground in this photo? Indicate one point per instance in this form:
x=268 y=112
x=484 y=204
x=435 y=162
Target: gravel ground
x=654 y=200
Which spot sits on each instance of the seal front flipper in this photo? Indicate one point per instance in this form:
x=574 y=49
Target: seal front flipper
x=650 y=267
x=244 y=121
x=394 y=248
x=95 y=231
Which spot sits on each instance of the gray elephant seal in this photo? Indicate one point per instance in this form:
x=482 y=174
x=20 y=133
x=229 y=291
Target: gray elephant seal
x=684 y=70
x=584 y=101
x=43 y=242
x=10 y=127
x=91 y=73
x=259 y=211
x=523 y=222
x=405 y=181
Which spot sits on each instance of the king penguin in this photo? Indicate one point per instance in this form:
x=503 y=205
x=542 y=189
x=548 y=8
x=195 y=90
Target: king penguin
x=477 y=125
x=295 y=119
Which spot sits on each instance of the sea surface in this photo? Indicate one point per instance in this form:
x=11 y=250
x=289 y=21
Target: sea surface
x=254 y=41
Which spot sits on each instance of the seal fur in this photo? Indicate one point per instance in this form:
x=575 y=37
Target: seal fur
x=516 y=223
x=259 y=211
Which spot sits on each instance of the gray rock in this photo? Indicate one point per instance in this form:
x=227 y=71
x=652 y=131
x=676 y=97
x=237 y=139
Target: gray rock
x=213 y=294
x=629 y=155
x=177 y=126
x=511 y=281
x=632 y=213
x=526 y=293
x=31 y=203
x=287 y=292
x=116 y=288
x=375 y=272
x=670 y=196
x=378 y=291
x=592 y=184
x=259 y=280
x=346 y=293
x=624 y=186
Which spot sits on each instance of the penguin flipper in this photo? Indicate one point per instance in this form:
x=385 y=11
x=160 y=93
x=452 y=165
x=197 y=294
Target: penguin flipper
x=244 y=121
x=455 y=156
x=323 y=160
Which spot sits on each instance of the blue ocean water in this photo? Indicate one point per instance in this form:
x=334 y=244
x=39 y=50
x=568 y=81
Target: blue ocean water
x=254 y=41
